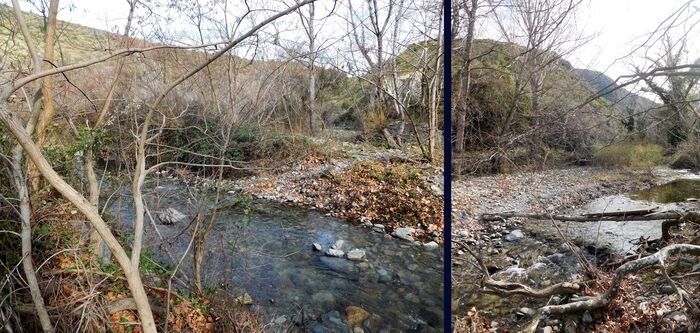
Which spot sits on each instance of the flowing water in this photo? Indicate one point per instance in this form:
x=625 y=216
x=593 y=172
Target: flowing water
x=264 y=249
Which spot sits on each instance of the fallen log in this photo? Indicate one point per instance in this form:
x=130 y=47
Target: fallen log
x=632 y=212
x=670 y=215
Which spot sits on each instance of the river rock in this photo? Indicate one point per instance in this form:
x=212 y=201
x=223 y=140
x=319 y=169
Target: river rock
x=378 y=228
x=431 y=245
x=338 y=245
x=384 y=275
x=514 y=236
x=244 y=299
x=404 y=233
x=317 y=247
x=338 y=264
x=355 y=315
x=171 y=216
x=335 y=253
x=356 y=254
x=547 y=329
x=325 y=299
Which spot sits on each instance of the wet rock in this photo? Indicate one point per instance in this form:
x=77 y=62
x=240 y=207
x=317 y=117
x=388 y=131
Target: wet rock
x=334 y=253
x=431 y=245
x=171 y=216
x=378 y=227
x=356 y=255
x=339 y=245
x=333 y=320
x=323 y=298
x=404 y=233
x=317 y=247
x=339 y=265
x=384 y=275
x=514 y=236
x=355 y=315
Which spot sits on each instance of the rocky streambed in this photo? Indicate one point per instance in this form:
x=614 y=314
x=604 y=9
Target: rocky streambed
x=534 y=252
x=305 y=270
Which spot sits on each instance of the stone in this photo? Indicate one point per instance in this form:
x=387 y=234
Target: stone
x=527 y=312
x=323 y=298
x=431 y=245
x=245 y=299
x=280 y=320
x=547 y=329
x=404 y=233
x=355 y=315
x=678 y=316
x=378 y=228
x=171 y=216
x=317 y=247
x=334 y=253
x=358 y=330
x=514 y=236
x=384 y=275
x=338 y=245
x=587 y=317
x=339 y=265
x=356 y=255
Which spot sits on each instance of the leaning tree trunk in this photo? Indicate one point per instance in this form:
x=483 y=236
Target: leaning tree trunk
x=91 y=213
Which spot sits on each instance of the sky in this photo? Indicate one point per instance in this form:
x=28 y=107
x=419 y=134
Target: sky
x=618 y=26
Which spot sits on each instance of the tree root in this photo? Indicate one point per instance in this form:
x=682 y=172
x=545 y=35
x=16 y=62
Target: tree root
x=659 y=258
x=512 y=288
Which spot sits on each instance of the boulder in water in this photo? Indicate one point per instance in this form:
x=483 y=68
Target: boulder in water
x=356 y=254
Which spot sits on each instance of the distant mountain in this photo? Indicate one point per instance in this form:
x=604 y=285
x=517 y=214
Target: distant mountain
x=622 y=97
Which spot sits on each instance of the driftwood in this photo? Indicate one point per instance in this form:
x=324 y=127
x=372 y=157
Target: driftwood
x=670 y=218
x=511 y=288
x=671 y=215
x=632 y=212
x=595 y=302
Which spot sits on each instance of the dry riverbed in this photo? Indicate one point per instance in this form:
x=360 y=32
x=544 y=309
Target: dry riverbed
x=523 y=251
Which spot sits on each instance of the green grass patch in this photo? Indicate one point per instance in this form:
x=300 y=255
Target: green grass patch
x=632 y=155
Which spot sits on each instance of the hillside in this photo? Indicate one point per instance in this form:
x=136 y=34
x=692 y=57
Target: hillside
x=500 y=115
x=622 y=97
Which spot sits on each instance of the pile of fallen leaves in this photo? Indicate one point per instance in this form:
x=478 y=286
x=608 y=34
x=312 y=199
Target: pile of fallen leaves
x=390 y=194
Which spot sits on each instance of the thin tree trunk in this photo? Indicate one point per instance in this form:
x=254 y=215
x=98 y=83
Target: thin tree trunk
x=27 y=261
x=90 y=212
x=47 y=116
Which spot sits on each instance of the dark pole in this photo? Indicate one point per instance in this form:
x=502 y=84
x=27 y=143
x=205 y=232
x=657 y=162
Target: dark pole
x=447 y=162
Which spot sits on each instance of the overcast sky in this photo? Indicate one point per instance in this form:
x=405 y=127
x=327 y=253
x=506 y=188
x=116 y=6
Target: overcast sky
x=620 y=25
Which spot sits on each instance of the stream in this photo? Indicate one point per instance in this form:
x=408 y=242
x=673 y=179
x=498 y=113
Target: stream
x=264 y=249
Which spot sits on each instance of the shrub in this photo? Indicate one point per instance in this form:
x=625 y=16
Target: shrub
x=633 y=155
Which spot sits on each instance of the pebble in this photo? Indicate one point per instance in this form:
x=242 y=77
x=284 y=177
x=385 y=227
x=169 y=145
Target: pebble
x=514 y=236
x=356 y=254
x=431 y=245
x=317 y=247
x=335 y=253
